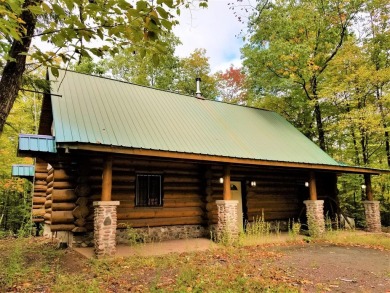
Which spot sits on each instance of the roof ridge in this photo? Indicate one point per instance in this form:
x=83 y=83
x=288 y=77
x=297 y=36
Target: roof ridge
x=162 y=90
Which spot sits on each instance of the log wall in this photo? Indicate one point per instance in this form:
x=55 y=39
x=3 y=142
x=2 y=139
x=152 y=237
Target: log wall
x=190 y=191
x=278 y=195
x=60 y=198
x=39 y=195
x=183 y=193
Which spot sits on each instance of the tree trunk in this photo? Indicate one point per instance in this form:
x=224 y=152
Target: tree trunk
x=11 y=78
x=320 y=127
x=386 y=133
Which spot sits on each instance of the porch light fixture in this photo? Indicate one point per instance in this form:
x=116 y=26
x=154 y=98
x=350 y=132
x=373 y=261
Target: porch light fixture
x=306 y=184
x=221 y=180
x=253 y=183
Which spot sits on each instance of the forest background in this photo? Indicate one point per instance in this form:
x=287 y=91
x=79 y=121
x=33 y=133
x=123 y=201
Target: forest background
x=323 y=65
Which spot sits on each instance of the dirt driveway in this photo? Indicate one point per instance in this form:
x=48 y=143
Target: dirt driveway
x=309 y=267
x=325 y=267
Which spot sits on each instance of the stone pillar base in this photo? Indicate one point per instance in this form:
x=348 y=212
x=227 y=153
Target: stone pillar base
x=315 y=217
x=227 y=228
x=373 y=216
x=105 y=222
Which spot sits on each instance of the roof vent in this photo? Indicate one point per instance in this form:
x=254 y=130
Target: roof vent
x=198 y=92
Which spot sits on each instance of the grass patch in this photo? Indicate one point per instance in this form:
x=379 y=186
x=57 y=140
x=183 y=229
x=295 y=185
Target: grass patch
x=358 y=238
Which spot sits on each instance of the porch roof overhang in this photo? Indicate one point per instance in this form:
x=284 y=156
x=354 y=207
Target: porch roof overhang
x=35 y=143
x=23 y=171
x=341 y=168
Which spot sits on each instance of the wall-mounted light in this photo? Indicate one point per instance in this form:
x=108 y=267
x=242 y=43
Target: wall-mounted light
x=364 y=186
x=306 y=184
x=221 y=180
x=253 y=183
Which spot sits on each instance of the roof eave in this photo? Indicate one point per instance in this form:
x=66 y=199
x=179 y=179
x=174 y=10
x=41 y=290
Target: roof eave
x=217 y=159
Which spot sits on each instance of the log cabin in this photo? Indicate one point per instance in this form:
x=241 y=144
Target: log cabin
x=112 y=155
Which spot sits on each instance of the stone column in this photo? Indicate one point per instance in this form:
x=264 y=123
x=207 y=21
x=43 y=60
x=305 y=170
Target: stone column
x=105 y=222
x=227 y=220
x=315 y=217
x=373 y=217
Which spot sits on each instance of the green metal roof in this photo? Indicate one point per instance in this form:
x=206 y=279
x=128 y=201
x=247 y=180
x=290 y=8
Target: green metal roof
x=36 y=143
x=98 y=110
x=21 y=170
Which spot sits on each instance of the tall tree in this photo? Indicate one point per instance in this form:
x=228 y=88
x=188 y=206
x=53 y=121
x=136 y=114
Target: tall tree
x=231 y=85
x=294 y=42
x=130 y=66
x=72 y=28
x=196 y=65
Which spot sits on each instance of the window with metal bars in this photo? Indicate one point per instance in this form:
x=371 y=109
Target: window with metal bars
x=148 y=190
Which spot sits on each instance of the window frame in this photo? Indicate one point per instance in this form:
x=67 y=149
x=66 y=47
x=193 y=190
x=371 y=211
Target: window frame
x=137 y=201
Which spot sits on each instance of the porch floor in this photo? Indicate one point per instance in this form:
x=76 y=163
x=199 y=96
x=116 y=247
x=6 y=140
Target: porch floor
x=158 y=248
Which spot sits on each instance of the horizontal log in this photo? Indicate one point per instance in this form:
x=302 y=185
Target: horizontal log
x=64 y=195
x=145 y=213
x=273 y=210
x=82 y=190
x=49 y=190
x=62 y=185
x=177 y=179
x=41 y=176
x=115 y=187
x=40 y=188
x=181 y=185
x=189 y=173
x=82 y=201
x=50 y=171
x=274 y=215
x=136 y=223
x=63 y=206
x=189 y=195
x=171 y=203
x=80 y=212
x=38 y=212
x=38 y=220
x=281 y=189
x=211 y=206
x=48 y=210
x=50 y=178
x=273 y=205
x=61 y=175
x=80 y=222
x=40 y=182
x=38 y=206
x=39 y=200
x=79 y=230
x=62 y=227
x=114 y=196
x=272 y=197
x=48 y=203
x=39 y=194
x=49 y=197
x=115 y=178
x=62 y=217
x=47 y=216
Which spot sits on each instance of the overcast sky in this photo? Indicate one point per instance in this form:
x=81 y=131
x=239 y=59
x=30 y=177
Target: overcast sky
x=214 y=29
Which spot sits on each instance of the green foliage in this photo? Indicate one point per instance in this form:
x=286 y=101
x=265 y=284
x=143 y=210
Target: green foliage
x=90 y=28
x=196 y=65
x=15 y=194
x=171 y=73
x=294 y=228
x=130 y=65
x=307 y=61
